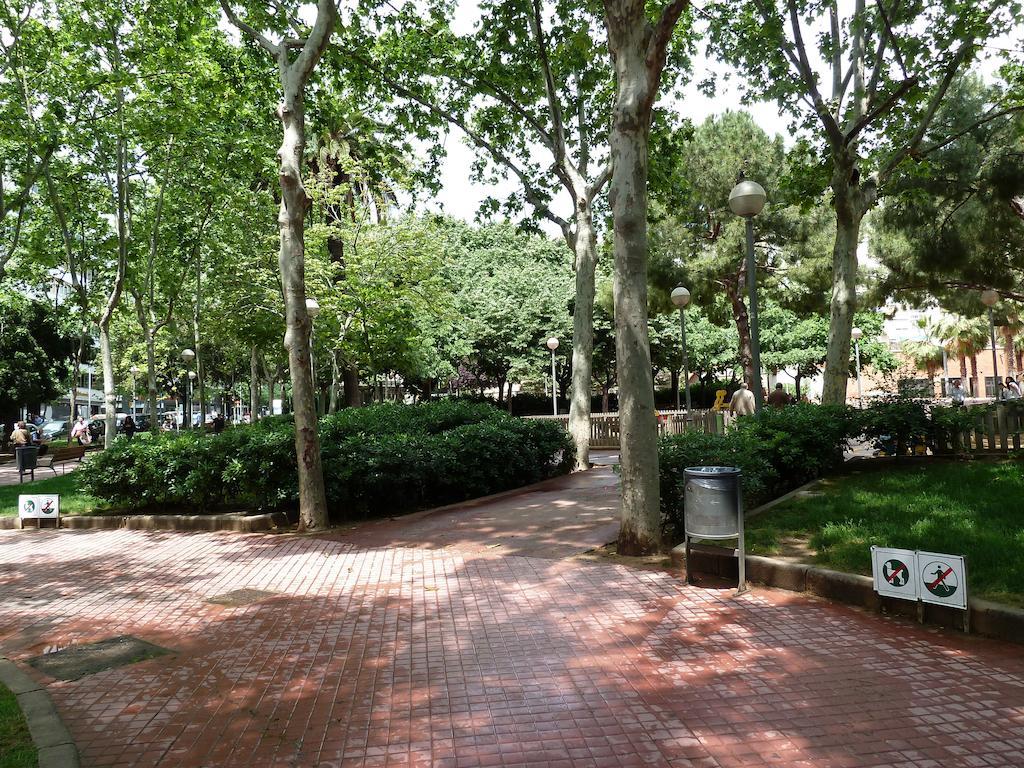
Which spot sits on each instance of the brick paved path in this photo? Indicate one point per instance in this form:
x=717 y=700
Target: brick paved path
x=465 y=655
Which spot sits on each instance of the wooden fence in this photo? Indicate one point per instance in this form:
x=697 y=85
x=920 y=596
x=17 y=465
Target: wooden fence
x=604 y=427
x=997 y=429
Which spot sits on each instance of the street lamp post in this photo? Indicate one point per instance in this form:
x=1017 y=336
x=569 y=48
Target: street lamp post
x=552 y=344
x=135 y=372
x=187 y=356
x=989 y=298
x=747 y=199
x=681 y=297
x=855 y=334
x=192 y=376
x=312 y=309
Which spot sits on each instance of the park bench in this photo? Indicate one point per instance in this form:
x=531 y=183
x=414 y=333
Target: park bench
x=61 y=455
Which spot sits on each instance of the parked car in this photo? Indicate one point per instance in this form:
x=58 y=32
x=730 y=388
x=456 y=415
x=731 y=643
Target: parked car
x=55 y=429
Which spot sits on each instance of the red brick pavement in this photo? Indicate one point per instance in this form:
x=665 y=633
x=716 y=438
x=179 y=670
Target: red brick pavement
x=463 y=656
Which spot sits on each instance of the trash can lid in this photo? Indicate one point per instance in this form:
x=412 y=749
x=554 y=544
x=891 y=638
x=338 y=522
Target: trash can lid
x=714 y=471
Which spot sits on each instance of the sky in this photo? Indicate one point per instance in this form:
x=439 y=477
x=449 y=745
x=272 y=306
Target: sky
x=460 y=196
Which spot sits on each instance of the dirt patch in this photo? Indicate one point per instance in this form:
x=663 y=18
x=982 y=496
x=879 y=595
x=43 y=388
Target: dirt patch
x=240 y=597
x=609 y=554
x=78 y=661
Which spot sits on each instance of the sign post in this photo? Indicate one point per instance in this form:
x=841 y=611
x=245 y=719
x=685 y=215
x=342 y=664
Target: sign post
x=925 y=577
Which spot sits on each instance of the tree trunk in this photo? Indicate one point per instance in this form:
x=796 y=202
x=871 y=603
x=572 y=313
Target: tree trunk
x=335 y=383
x=583 y=333
x=312 y=496
x=742 y=321
x=978 y=391
x=852 y=200
x=606 y=389
x=963 y=367
x=254 y=384
x=640 y=528
x=109 y=386
x=151 y=393
x=350 y=376
x=271 y=390
x=197 y=347
x=1011 y=363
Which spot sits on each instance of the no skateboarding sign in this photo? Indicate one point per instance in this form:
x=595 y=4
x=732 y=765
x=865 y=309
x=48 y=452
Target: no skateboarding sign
x=943 y=579
x=894 y=572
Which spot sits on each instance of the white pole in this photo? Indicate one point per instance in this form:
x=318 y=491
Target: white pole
x=860 y=395
x=554 y=392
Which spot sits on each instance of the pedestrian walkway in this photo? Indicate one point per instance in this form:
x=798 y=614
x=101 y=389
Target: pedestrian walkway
x=9 y=471
x=415 y=642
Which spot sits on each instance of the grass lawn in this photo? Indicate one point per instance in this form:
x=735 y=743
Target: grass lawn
x=975 y=509
x=16 y=747
x=72 y=500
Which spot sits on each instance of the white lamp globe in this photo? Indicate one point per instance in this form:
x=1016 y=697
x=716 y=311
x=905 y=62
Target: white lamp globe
x=552 y=343
x=856 y=333
x=989 y=298
x=188 y=355
x=192 y=375
x=135 y=370
x=680 y=297
x=747 y=198
x=312 y=308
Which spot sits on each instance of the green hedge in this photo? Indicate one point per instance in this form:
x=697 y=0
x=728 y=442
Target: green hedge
x=778 y=449
x=377 y=460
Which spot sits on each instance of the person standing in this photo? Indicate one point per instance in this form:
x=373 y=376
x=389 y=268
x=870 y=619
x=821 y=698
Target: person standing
x=778 y=398
x=957 y=394
x=742 y=402
x=1012 y=390
x=128 y=427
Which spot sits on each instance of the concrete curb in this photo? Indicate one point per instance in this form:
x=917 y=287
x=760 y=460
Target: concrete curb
x=225 y=522
x=995 y=620
x=52 y=739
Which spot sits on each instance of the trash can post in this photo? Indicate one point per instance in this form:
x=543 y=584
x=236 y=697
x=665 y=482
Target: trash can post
x=25 y=458
x=713 y=510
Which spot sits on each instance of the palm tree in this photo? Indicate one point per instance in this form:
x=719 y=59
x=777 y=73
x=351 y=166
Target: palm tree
x=964 y=337
x=1011 y=330
x=926 y=355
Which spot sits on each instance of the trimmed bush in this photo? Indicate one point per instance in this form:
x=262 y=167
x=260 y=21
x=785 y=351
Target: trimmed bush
x=900 y=419
x=777 y=450
x=378 y=460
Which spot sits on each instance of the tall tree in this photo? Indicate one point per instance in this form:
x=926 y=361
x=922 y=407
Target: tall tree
x=888 y=68
x=529 y=90
x=638 y=47
x=295 y=72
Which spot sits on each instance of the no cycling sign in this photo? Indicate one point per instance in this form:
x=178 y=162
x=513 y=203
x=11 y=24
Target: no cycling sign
x=926 y=576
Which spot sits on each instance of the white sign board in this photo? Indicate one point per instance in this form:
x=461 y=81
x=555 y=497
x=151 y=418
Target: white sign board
x=895 y=572
x=943 y=579
x=40 y=506
x=915 y=575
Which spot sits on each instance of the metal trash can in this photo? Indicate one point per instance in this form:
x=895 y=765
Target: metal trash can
x=26 y=457
x=713 y=509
